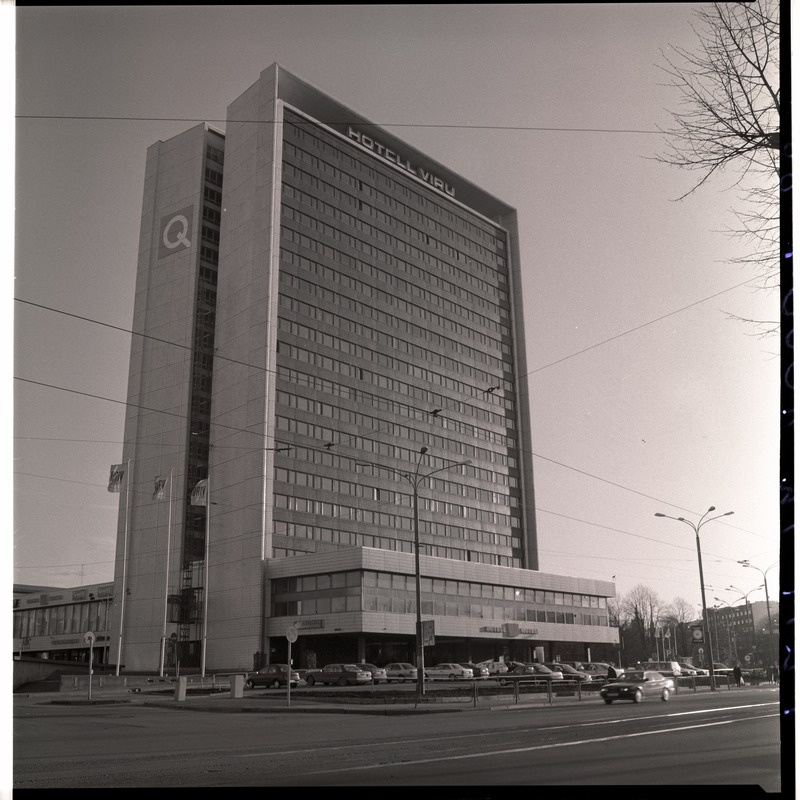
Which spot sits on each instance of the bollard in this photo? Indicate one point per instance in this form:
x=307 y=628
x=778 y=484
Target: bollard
x=237 y=686
x=180 y=689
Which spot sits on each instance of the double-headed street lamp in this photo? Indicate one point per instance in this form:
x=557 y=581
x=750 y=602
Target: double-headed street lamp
x=415 y=480
x=749 y=610
x=696 y=529
x=746 y=563
x=734 y=651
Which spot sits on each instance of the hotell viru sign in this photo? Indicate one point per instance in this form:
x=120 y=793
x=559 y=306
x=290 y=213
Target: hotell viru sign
x=401 y=161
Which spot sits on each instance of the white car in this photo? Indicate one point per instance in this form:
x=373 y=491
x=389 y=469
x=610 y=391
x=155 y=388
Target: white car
x=495 y=667
x=448 y=672
x=400 y=671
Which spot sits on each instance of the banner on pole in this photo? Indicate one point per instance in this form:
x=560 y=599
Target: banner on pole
x=200 y=493
x=115 y=478
x=158 y=488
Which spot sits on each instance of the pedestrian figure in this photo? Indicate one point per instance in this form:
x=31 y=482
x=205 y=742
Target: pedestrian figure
x=774 y=674
x=612 y=673
x=737 y=675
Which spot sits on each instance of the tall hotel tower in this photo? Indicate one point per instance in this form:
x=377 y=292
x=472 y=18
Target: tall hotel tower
x=329 y=341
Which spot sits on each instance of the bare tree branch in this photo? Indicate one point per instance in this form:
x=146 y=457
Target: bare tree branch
x=728 y=118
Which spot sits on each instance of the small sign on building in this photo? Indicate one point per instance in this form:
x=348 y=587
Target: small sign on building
x=428 y=633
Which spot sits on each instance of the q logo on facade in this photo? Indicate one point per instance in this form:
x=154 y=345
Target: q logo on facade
x=176 y=229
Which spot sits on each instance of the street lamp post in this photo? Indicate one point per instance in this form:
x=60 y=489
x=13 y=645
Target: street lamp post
x=749 y=612
x=746 y=563
x=716 y=631
x=696 y=529
x=728 y=625
x=415 y=480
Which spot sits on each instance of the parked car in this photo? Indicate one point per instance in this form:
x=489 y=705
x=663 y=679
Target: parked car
x=637 y=684
x=569 y=672
x=400 y=671
x=529 y=673
x=598 y=669
x=517 y=672
x=670 y=669
x=378 y=673
x=478 y=672
x=685 y=664
x=303 y=673
x=495 y=667
x=447 y=671
x=340 y=674
x=545 y=671
x=722 y=669
x=273 y=675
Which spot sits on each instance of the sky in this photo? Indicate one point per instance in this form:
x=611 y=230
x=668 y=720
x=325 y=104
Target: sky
x=646 y=395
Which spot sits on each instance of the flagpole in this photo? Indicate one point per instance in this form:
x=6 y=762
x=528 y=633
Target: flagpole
x=205 y=581
x=124 y=564
x=166 y=581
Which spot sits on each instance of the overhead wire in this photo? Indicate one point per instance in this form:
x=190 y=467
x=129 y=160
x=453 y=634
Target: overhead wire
x=435 y=413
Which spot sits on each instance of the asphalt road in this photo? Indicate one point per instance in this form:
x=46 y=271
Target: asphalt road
x=729 y=739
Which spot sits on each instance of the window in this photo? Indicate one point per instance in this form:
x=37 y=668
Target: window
x=323 y=605
x=337 y=604
x=338 y=580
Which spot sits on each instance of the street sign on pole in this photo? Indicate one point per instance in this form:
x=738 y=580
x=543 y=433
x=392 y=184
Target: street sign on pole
x=88 y=638
x=291 y=636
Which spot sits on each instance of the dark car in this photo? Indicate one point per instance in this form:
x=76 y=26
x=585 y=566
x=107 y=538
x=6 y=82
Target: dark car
x=635 y=685
x=599 y=669
x=569 y=672
x=517 y=672
x=479 y=672
x=273 y=675
x=340 y=674
x=378 y=673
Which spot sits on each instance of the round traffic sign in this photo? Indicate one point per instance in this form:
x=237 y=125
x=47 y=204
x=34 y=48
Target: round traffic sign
x=291 y=634
x=88 y=637
x=173 y=637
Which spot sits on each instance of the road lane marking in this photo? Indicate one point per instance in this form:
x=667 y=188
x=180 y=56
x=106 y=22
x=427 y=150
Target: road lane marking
x=481 y=734
x=533 y=748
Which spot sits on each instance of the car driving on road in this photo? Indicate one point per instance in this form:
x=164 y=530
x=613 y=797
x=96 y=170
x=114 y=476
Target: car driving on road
x=636 y=685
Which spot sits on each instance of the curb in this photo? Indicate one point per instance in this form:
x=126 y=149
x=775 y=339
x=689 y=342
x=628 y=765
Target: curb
x=385 y=711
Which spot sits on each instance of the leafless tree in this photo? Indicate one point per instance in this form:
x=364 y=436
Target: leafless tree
x=729 y=120
x=643 y=608
x=678 y=615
